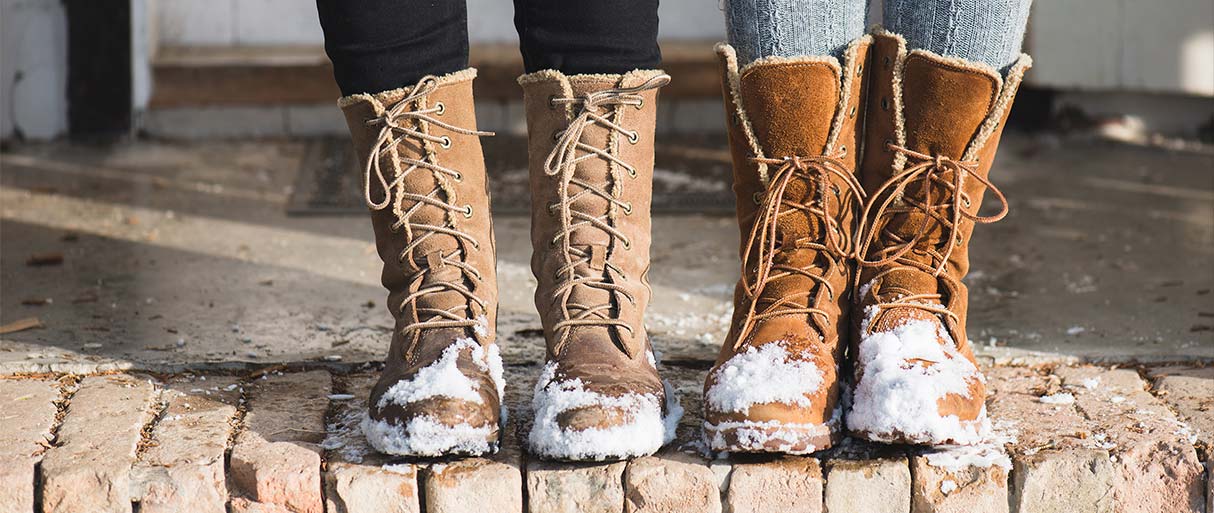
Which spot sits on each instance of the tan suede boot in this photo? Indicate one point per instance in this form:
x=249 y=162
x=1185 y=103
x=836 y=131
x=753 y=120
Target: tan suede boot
x=933 y=126
x=591 y=152
x=441 y=390
x=792 y=131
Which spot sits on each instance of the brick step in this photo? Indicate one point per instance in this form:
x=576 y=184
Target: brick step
x=1107 y=440
x=191 y=77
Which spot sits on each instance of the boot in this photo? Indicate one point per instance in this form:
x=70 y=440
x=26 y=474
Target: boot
x=933 y=126
x=591 y=153
x=792 y=132
x=441 y=389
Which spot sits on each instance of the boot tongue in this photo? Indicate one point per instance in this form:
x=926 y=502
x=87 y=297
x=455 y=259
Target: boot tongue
x=943 y=107
x=791 y=107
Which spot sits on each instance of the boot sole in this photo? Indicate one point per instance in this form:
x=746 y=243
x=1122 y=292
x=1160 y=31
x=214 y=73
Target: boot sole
x=899 y=437
x=770 y=437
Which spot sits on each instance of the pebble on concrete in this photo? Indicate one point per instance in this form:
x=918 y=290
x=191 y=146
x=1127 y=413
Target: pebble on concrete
x=670 y=483
x=90 y=468
x=575 y=487
x=868 y=486
x=789 y=484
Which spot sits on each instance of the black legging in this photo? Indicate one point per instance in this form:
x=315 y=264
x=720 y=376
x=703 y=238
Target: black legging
x=376 y=45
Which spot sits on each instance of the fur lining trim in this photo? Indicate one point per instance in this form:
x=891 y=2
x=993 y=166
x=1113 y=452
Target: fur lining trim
x=549 y=75
x=845 y=90
x=733 y=77
x=1011 y=84
x=380 y=99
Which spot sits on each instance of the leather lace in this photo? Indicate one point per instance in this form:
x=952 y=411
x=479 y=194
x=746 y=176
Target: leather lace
x=570 y=150
x=764 y=242
x=948 y=210
x=404 y=122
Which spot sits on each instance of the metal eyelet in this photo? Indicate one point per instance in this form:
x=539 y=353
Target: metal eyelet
x=859 y=68
x=556 y=135
x=886 y=145
x=632 y=172
x=552 y=242
x=467 y=211
x=459 y=177
x=441 y=108
x=445 y=142
x=886 y=61
x=885 y=103
x=757 y=198
x=843 y=151
x=627 y=243
x=634 y=137
x=852 y=113
x=835 y=189
x=552 y=209
x=552 y=101
x=628 y=209
x=959 y=242
x=640 y=103
x=966 y=201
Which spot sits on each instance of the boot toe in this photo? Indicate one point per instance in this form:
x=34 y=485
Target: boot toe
x=914 y=386
x=433 y=427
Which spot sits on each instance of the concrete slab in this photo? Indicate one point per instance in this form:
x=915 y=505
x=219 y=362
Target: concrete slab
x=575 y=487
x=276 y=458
x=145 y=221
x=791 y=484
x=89 y=468
x=29 y=409
x=1189 y=390
x=473 y=485
x=183 y=465
x=868 y=486
x=671 y=483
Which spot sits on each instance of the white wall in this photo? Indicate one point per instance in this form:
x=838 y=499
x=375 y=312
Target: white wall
x=33 y=68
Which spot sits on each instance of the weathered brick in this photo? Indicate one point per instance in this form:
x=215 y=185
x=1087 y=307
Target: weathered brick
x=89 y=471
x=183 y=466
x=1073 y=480
x=27 y=413
x=474 y=485
x=357 y=480
x=243 y=505
x=790 y=484
x=1189 y=391
x=1156 y=466
x=362 y=488
x=276 y=458
x=575 y=487
x=965 y=489
x=868 y=486
x=1014 y=403
x=670 y=483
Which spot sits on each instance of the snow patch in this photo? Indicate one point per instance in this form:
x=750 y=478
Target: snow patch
x=444 y=379
x=1059 y=398
x=1091 y=383
x=897 y=393
x=948 y=486
x=647 y=432
x=426 y=436
x=763 y=375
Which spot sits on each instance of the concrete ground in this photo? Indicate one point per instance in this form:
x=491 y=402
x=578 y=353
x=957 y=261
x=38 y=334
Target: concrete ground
x=246 y=339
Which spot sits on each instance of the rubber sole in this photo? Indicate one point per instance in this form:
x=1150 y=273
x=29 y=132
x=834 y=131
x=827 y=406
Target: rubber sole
x=900 y=437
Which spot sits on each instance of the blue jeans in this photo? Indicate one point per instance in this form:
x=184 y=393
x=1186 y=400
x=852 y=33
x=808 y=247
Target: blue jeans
x=987 y=31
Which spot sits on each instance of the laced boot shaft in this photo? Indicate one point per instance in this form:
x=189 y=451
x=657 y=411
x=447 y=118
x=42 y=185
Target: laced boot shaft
x=424 y=182
x=591 y=152
x=934 y=126
x=792 y=132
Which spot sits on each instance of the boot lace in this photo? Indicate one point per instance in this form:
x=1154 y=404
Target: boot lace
x=405 y=123
x=765 y=242
x=947 y=210
x=594 y=108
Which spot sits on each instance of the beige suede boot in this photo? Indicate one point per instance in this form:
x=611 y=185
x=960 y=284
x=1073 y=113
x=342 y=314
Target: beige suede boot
x=441 y=390
x=591 y=152
x=933 y=127
x=793 y=134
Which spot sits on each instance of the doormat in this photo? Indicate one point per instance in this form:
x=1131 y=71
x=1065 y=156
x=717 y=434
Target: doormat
x=693 y=175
